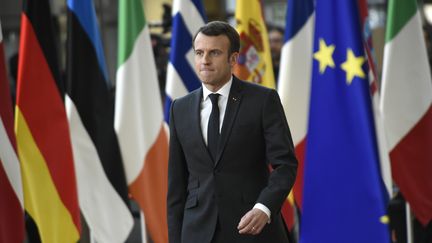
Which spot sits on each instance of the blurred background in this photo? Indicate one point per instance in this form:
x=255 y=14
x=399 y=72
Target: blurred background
x=158 y=14
x=159 y=19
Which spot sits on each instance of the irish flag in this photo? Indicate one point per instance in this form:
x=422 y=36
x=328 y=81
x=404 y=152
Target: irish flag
x=139 y=119
x=406 y=106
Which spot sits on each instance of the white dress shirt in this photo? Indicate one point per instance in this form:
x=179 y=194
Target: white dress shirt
x=205 y=110
x=206 y=107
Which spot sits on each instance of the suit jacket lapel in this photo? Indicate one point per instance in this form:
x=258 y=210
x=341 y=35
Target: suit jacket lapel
x=233 y=103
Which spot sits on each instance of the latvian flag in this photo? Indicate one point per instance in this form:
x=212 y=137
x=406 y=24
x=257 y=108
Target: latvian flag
x=11 y=206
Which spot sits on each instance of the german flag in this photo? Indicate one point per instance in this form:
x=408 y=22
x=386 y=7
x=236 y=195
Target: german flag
x=42 y=131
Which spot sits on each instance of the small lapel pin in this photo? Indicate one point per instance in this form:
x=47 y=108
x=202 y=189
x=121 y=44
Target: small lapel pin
x=234 y=98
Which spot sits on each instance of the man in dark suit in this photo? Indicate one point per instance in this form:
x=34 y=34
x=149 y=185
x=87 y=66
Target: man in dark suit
x=223 y=136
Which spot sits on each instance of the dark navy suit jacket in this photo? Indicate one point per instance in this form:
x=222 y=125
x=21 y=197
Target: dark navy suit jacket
x=202 y=192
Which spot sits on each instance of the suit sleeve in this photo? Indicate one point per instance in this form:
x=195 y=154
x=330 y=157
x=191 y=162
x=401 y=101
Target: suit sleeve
x=279 y=154
x=177 y=183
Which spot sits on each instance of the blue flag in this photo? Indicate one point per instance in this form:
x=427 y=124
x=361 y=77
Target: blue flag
x=188 y=17
x=344 y=198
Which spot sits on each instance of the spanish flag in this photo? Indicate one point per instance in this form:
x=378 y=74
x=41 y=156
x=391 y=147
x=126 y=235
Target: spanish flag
x=44 y=147
x=254 y=62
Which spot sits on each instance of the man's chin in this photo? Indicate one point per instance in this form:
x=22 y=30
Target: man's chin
x=207 y=81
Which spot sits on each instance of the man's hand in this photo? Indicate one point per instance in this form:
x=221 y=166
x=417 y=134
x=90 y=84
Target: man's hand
x=252 y=222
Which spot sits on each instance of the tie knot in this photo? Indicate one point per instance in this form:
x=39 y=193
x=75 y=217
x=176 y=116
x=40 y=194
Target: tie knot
x=214 y=98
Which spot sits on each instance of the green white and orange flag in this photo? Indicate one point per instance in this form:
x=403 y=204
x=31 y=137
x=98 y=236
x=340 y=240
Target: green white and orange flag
x=254 y=62
x=406 y=104
x=42 y=132
x=139 y=119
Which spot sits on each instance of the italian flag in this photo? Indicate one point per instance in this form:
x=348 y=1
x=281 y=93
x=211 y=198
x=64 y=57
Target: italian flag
x=406 y=106
x=139 y=119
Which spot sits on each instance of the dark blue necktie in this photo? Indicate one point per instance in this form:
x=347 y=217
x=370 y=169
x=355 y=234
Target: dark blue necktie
x=213 y=127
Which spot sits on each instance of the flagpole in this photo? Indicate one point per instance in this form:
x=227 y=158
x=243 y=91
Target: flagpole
x=143 y=228
x=409 y=223
x=92 y=239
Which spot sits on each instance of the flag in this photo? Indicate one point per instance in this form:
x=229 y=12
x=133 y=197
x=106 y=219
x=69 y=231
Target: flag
x=11 y=205
x=139 y=120
x=188 y=17
x=102 y=186
x=343 y=196
x=254 y=62
x=373 y=86
x=295 y=78
x=406 y=106
x=42 y=132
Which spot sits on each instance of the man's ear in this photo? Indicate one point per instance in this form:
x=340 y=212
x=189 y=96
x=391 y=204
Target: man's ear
x=233 y=58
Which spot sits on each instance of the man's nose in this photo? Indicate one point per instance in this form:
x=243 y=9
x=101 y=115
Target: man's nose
x=206 y=58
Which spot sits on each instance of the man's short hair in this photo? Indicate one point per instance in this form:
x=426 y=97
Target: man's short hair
x=271 y=27
x=216 y=28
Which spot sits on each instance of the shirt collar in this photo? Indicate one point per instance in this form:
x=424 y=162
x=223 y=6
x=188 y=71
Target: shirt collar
x=223 y=91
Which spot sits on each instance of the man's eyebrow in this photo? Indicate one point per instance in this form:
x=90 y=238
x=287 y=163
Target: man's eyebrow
x=216 y=49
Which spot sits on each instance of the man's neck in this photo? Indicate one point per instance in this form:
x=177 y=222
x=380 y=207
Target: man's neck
x=224 y=90
x=215 y=88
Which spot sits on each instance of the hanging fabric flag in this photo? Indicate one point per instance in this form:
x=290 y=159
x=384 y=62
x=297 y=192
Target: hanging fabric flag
x=406 y=106
x=12 y=204
x=102 y=187
x=43 y=140
x=295 y=78
x=344 y=196
x=188 y=17
x=139 y=120
x=373 y=85
x=254 y=63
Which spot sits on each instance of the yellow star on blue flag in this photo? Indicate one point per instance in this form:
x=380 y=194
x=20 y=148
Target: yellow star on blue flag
x=324 y=55
x=353 y=66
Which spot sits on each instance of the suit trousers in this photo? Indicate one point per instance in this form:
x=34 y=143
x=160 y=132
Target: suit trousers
x=218 y=236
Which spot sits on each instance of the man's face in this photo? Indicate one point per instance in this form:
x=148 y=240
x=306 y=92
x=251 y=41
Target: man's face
x=276 y=43
x=213 y=64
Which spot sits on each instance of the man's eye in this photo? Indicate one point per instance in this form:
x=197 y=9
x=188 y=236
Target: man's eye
x=215 y=53
x=198 y=53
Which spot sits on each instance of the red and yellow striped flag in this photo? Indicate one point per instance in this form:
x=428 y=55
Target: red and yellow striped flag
x=254 y=62
x=44 y=147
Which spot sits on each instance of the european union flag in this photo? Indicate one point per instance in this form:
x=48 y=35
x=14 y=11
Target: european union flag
x=343 y=199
